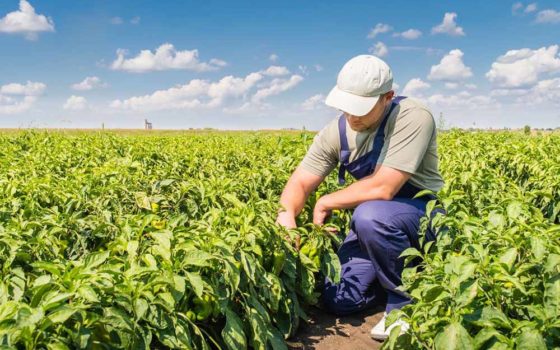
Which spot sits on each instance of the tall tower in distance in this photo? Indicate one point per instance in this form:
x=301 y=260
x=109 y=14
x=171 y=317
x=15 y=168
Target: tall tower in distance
x=147 y=125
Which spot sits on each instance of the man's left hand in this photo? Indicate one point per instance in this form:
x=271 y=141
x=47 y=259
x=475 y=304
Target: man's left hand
x=320 y=212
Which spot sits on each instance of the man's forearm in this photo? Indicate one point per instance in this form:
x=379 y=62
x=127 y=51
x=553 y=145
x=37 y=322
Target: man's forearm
x=354 y=195
x=293 y=197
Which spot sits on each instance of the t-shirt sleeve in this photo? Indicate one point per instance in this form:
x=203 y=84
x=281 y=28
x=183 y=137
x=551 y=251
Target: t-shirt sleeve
x=322 y=156
x=409 y=141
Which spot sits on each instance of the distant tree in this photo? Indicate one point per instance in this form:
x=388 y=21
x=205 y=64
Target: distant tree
x=441 y=122
x=527 y=130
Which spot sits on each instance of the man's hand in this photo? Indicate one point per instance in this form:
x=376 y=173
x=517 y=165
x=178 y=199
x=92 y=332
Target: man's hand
x=320 y=212
x=286 y=219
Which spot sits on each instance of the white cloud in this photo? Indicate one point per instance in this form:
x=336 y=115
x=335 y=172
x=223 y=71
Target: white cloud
x=379 y=29
x=545 y=92
x=415 y=87
x=164 y=58
x=26 y=21
x=451 y=85
x=303 y=69
x=318 y=67
x=89 y=83
x=448 y=26
x=462 y=100
x=548 y=16
x=203 y=94
x=75 y=103
x=117 y=20
x=470 y=86
x=276 y=87
x=515 y=7
x=531 y=8
x=450 y=68
x=519 y=68
x=314 y=102
x=379 y=49
x=135 y=20
x=17 y=98
x=29 y=89
x=276 y=71
x=273 y=57
x=410 y=34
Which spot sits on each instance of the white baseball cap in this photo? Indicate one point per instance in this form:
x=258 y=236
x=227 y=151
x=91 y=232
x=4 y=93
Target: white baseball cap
x=359 y=84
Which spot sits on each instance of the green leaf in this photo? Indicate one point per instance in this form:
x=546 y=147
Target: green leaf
x=61 y=314
x=330 y=266
x=468 y=293
x=530 y=339
x=508 y=258
x=453 y=337
x=552 y=296
x=95 y=259
x=196 y=283
x=233 y=334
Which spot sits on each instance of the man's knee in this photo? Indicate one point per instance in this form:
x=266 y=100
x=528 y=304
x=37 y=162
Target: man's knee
x=369 y=216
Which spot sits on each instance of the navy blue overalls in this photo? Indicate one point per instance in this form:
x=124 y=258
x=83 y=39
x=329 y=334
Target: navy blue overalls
x=380 y=231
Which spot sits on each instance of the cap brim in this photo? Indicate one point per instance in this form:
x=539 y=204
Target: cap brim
x=352 y=104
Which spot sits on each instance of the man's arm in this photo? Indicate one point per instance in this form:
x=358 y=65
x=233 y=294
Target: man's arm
x=295 y=193
x=383 y=184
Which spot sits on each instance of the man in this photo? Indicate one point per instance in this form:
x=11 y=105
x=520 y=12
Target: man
x=389 y=145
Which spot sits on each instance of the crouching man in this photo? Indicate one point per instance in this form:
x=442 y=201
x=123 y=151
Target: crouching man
x=389 y=145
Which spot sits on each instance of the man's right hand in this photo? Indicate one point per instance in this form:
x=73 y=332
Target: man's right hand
x=286 y=219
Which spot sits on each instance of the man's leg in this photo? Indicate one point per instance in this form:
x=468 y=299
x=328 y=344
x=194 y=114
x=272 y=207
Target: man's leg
x=358 y=288
x=385 y=229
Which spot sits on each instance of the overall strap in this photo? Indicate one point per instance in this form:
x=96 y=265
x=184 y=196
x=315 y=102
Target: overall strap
x=344 y=150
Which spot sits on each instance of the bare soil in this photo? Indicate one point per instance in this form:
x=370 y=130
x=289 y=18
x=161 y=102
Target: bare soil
x=326 y=332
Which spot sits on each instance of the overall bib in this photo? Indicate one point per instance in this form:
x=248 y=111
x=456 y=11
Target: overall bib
x=380 y=231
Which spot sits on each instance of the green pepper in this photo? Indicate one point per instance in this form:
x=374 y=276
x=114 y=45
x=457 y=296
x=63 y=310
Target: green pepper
x=203 y=307
x=279 y=258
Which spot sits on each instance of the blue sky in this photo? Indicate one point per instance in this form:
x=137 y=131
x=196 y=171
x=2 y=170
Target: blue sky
x=251 y=65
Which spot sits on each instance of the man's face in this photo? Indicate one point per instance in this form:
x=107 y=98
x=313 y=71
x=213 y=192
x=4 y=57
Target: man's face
x=373 y=117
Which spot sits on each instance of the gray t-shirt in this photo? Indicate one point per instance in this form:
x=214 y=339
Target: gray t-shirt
x=410 y=145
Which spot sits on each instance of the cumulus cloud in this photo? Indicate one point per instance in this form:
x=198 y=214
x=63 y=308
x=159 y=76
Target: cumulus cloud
x=548 y=16
x=450 y=68
x=470 y=86
x=17 y=98
x=521 y=68
x=26 y=21
x=28 y=89
x=89 y=83
x=543 y=92
x=451 y=85
x=276 y=71
x=448 y=26
x=379 y=29
x=461 y=100
x=165 y=57
x=273 y=57
x=410 y=34
x=276 y=87
x=531 y=8
x=314 y=102
x=204 y=94
x=415 y=87
x=380 y=49
x=75 y=103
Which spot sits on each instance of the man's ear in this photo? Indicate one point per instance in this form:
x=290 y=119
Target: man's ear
x=389 y=95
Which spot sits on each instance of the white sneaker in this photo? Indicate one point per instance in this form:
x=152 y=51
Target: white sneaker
x=378 y=332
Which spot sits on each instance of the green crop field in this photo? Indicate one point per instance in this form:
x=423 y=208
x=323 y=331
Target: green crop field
x=168 y=240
